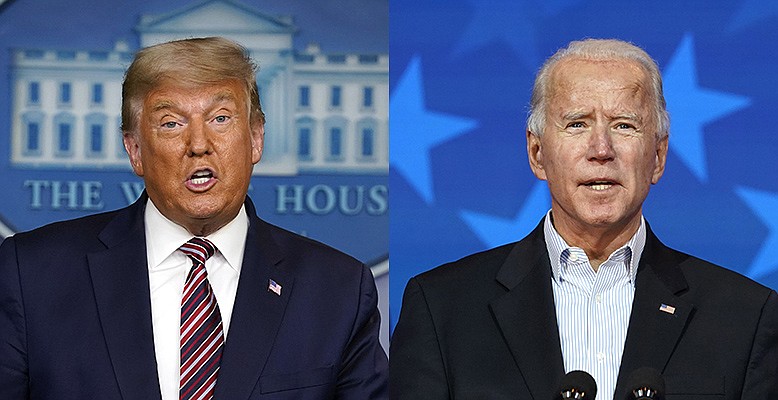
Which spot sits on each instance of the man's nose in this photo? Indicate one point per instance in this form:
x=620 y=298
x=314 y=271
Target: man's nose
x=601 y=145
x=199 y=142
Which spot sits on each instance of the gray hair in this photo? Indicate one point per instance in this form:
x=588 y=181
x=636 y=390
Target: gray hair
x=597 y=49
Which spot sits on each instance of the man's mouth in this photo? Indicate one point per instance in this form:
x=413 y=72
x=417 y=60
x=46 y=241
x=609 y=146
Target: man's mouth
x=599 y=185
x=201 y=177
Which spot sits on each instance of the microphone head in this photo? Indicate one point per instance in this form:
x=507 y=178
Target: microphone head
x=645 y=383
x=577 y=385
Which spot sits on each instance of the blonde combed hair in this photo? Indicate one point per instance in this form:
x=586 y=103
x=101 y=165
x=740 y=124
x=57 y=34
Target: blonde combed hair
x=198 y=61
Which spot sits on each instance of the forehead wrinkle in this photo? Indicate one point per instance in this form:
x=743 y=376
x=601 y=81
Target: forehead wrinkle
x=634 y=90
x=216 y=99
x=632 y=95
x=630 y=99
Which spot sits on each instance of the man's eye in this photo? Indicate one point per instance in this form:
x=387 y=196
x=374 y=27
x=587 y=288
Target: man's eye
x=575 y=125
x=624 y=126
x=170 y=124
x=221 y=119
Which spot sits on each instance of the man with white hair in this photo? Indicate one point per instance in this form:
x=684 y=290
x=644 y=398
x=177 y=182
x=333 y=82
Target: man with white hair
x=591 y=288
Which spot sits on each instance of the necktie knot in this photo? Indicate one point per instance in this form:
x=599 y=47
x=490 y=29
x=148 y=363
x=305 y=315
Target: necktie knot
x=198 y=249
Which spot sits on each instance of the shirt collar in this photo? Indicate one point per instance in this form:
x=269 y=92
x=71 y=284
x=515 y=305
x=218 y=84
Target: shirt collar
x=559 y=249
x=164 y=237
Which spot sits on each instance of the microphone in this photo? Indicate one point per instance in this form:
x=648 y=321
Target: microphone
x=645 y=383
x=576 y=385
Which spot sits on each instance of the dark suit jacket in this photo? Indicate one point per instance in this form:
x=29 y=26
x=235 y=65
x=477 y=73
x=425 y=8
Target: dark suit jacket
x=75 y=317
x=484 y=327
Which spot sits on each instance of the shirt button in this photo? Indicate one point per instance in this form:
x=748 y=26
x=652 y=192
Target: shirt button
x=598 y=298
x=573 y=257
x=600 y=357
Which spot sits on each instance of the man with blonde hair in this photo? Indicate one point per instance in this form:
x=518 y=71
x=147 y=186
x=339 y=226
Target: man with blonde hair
x=591 y=288
x=186 y=294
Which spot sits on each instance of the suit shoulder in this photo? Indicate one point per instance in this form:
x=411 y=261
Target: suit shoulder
x=305 y=250
x=710 y=277
x=476 y=266
x=484 y=266
x=68 y=232
x=704 y=280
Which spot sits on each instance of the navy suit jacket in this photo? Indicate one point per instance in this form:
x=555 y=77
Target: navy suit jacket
x=75 y=317
x=485 y=327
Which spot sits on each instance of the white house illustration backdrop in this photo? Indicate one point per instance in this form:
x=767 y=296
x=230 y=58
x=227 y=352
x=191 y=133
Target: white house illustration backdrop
x=67 y=104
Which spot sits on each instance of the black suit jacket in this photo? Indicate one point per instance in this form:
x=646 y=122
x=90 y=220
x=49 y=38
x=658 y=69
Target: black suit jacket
x=75 y=317
x=484 y=327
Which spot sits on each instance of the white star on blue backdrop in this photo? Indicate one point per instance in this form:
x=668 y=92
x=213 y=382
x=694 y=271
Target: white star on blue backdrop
x=691 y=107
x=495 y=231
x=423 y=129
x=764 y=205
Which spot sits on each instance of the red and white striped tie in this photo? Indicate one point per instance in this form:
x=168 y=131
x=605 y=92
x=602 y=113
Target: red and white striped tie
x=202 y=337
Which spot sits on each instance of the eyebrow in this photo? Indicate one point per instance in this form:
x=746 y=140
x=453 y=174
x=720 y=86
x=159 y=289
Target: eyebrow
x=574 y=115
x=162 y=105
x=628 y=116
x=223 y=96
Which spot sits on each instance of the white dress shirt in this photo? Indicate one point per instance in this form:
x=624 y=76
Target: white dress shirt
x=593 y=308
x=168 y=268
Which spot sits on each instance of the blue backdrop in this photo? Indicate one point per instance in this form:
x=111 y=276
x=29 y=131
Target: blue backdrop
x=460 y=78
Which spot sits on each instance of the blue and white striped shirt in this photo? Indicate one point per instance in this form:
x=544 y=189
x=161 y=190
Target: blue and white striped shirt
x=593 y=308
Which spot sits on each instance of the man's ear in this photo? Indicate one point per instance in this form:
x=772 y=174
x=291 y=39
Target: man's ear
x=132 y=146
x=661 y=159
x=535 y=155
x=257 y=141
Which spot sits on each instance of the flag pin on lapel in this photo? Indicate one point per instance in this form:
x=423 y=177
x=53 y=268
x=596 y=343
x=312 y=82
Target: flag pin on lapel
x=273 y=286
x=668 y=309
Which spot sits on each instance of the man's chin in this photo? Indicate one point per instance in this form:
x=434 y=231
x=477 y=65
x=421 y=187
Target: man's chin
x=598 y=215
x=608 y=220
x=205 y=216
x=212 y=212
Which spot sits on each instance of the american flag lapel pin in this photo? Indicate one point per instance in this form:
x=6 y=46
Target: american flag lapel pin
x=273 y=286
x=668 y=309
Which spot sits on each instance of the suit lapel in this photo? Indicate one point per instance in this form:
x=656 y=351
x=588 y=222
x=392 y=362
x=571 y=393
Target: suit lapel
x=530 y=332
x=257 y=313
x=121 y=287
x=653 y=332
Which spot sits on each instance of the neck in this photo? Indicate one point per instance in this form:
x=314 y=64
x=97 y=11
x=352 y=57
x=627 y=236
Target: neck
x=203 y=227
x=598 y=241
